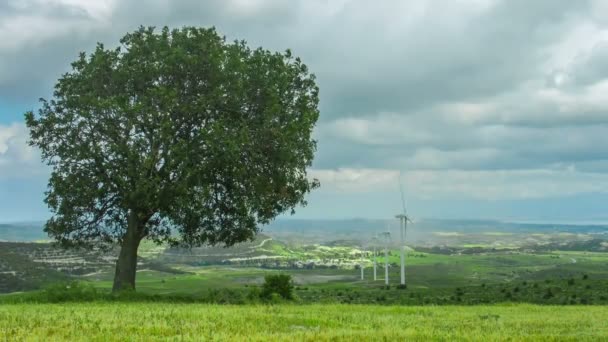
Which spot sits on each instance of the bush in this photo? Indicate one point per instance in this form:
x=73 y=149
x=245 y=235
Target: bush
x=225 y=296
x=69 y=292
x=280 y=284
x=254 y=294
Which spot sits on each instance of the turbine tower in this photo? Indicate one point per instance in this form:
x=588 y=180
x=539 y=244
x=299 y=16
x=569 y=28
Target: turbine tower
x=403 y=219
x=387 y=238
x=361 y=265
x=374 y=244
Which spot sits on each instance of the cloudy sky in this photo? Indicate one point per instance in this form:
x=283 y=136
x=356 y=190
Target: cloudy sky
x=489 y=109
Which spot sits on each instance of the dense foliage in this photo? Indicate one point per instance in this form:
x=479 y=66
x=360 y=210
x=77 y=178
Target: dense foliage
x=175 y=130
x=279 y=284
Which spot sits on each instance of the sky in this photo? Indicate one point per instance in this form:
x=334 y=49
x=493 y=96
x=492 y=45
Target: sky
x=487 y=109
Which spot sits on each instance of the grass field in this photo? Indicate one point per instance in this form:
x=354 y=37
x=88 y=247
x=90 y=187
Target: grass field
x=557 y=277
x=155 y=321
x=479 y=291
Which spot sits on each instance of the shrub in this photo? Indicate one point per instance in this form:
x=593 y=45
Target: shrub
x=69 y=292
x=254 y=294
x=275 y=298
x=225 y=296
x=280 y=284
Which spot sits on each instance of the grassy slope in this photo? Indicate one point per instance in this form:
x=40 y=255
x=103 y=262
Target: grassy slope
x=111 y=322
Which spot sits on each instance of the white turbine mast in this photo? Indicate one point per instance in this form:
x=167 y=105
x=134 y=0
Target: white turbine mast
x=387 y=237
x=374 y=244
x=361 y=265
x=403 y=220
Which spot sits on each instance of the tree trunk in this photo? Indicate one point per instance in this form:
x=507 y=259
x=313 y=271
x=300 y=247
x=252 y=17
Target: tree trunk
x=126 y=265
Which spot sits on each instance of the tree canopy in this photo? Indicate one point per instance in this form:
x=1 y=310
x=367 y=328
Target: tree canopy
x=176 y=136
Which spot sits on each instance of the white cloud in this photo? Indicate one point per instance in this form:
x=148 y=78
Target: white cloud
x=355 y=180
x=465 y=185
x=17 y=158
x=37 y=21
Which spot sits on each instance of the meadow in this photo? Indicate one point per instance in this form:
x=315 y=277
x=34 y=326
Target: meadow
x=464 y=288
x=189 y=322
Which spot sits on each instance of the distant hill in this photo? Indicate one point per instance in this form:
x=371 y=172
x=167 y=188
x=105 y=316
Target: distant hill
x=22 y=232
x=362 y=229
x=352 y=229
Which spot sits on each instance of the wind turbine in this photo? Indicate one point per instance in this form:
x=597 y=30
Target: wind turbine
x=361 y=265
x=387 y=238
x=403 y=220
x=375 y=243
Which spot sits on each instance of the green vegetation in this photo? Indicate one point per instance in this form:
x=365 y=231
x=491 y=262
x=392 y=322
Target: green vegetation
x=161 y=321
x=327 y=273
x=177 y=136
x=277 y=285
x=273 y=290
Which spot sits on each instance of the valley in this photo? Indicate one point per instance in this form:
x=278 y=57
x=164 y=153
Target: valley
x=521 y=264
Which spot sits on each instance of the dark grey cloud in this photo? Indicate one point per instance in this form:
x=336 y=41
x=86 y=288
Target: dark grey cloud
x=451 y=54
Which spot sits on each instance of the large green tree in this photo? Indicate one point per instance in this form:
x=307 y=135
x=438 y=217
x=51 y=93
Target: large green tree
x=176 y=136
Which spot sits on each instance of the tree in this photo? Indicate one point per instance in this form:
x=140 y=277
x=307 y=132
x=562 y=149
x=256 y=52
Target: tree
x=177 y=136
x=280 y=284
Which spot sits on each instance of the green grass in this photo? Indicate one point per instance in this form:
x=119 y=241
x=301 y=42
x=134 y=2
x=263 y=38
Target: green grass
x=431 y=279
x=156 y=322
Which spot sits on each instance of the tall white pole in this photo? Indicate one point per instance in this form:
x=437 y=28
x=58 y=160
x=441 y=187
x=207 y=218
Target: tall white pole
x=362 y=275
x=375 y=278
x=386 y=261
x=402 y=223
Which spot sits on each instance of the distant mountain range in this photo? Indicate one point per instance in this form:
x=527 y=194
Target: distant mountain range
x=322 y=230
x=356 y=229
x=23 y=231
